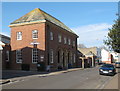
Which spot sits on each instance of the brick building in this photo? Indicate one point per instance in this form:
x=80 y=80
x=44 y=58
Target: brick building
x=92 y=56
x=40 y=41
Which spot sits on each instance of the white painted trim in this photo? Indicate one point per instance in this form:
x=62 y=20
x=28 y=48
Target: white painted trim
x=27 y=23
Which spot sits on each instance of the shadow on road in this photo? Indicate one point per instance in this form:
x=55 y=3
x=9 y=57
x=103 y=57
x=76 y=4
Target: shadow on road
x=7 y=74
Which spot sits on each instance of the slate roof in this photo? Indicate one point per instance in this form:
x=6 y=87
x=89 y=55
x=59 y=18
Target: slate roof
x=38 y=15
x=88 y=51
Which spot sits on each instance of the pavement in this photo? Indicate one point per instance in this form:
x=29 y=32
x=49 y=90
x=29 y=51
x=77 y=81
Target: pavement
x=114 y=82
x=31 y=74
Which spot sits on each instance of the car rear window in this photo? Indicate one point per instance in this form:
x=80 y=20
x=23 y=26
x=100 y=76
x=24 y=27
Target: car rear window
x=107 y=65
x=117 y=62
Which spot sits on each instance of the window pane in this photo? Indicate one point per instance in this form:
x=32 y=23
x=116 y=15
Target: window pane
x=35 y=34
x=18 y=56
x=19 y=35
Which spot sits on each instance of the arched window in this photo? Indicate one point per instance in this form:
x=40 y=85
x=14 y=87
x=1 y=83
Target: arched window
x=35 y=34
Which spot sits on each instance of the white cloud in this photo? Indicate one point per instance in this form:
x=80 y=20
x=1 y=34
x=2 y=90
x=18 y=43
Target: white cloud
x=92 y=35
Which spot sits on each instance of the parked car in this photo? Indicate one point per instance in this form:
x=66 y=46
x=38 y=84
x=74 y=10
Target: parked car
x=117 y=64
x=101 y=63
x=107 y=69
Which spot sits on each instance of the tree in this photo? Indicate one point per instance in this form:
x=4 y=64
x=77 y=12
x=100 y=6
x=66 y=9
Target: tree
x=113 y=39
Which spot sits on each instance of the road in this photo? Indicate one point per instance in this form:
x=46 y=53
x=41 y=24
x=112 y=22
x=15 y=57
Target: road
x=82 y=79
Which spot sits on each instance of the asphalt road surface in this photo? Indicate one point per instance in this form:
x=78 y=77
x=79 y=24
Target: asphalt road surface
x=82 y=79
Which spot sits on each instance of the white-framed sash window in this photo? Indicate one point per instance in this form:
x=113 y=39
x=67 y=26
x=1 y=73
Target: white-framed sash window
x=73 y=43
x=51 y=56
x=51 y=35
x=19 y=56
x=34 y=55
x=59 y=38
x=35 y=34
x=69 y=42
x=65 y=40
x=19 y=35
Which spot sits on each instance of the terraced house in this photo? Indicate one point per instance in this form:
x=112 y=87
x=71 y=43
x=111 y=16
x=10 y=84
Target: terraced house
x=40 y=41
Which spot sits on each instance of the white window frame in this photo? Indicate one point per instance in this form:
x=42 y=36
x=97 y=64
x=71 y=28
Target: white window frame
x=34 y=53
x=59 y=38
x=73 y=43
x=19 y=56
x=51 y=56
x=35 y=34
x=69 y=42
x=51 y=35
x=65 y=40
x=19 y=35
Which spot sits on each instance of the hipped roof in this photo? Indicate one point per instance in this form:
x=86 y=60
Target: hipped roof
x=38 y=15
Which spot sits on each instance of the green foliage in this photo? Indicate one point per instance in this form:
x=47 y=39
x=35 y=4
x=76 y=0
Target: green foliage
x=113 y=39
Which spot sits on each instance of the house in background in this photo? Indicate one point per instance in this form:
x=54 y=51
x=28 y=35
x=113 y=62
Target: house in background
x=106 y=56
x=5 y=51
x=91 y=56
x=116 y=56
x=40 y=41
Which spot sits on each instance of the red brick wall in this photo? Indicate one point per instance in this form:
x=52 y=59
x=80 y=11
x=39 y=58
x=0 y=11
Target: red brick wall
x=25 y=45
x=45 y=43
x=55 y=45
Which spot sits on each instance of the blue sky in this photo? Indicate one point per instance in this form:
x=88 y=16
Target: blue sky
x=90 y=20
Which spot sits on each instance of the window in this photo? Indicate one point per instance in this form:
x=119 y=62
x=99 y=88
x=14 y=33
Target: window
x=71 y=56
x=34 y=55
x=51 y=35
x=69 y=42
x=74 y=43
x=65 y=40
x=59 y=38
x=19 y=35
x=7 y=56
x=51 y=56
x=74 y=58
x=35 y=34
x=18 y=56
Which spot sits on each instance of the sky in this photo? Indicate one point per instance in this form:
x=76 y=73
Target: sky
x=89 y=20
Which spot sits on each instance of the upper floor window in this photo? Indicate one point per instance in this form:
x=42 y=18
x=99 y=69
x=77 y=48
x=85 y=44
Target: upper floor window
x=65 y=40
x=69 y=42
x=34 y=55
x=51 y=35
x=19 y=35
x=35 y=34
x=74 y=43
x=18 y=56
x=59 y=38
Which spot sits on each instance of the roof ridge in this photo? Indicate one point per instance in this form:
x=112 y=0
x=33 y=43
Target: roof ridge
x=38 y=14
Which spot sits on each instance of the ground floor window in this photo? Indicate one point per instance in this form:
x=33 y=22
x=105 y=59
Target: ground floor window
x=51 y=56
x=7 y=56
x=18 y=56
x=34 y=55
x=74 y=58
x=71 y=61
